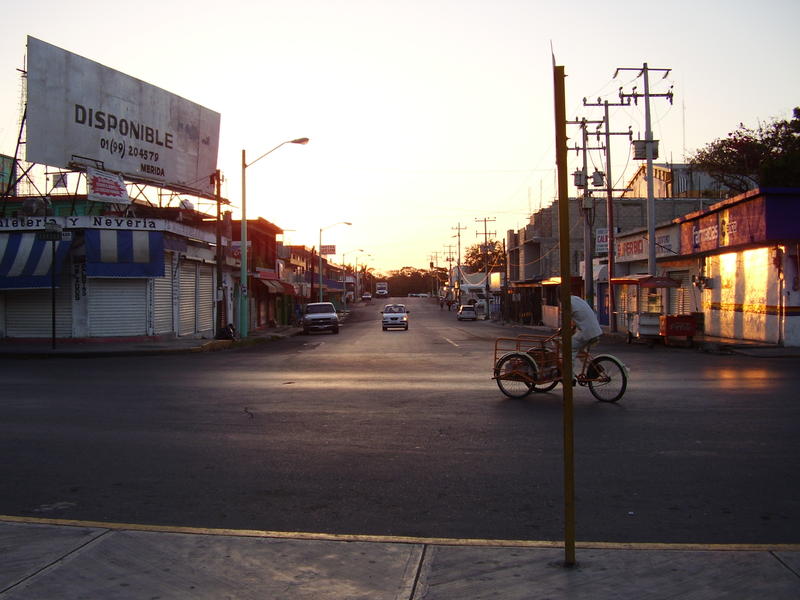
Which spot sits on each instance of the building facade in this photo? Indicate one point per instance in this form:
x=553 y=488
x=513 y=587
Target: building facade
x=108 y=276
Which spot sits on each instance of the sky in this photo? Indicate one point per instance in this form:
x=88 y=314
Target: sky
x=423 y=115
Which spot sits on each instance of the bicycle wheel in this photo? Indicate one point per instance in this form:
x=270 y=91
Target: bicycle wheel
x=514 y=374
x=606 y=378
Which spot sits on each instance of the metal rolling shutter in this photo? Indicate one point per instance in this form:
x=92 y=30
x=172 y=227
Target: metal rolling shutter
x=162 y=299
x=117 y=307
x=29 y=313
x=188 y=284
x=205 y=298
x=679 y=298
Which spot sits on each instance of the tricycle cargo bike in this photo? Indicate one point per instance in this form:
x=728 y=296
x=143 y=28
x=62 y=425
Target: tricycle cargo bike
x=532 y=363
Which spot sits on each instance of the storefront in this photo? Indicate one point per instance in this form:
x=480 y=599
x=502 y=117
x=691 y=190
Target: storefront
x=747 y=251
x=736 y=265
x=112 y=277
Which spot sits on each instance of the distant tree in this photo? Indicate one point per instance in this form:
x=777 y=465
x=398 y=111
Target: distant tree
x=766 y=156
x=409 y=280
x=475 y=257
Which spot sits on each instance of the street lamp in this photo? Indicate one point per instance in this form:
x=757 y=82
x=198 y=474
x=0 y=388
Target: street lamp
x=321 y=229
x=355 y=292
x=350 y=252
x=244 y=318
x=344 y=280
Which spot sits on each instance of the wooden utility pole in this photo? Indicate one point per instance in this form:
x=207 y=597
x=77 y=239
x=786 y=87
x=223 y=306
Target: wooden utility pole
x=566 y=314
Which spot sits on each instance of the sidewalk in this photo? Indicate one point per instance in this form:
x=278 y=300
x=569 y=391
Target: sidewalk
x=42 y=348
x=71 y=560
x=703 y=343
x=88 y=348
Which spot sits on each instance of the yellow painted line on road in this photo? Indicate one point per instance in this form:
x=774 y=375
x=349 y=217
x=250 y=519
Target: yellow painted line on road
x=399 y=539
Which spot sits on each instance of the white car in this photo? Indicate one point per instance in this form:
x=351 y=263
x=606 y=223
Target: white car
x=395 y=315
x=320 y=316
x=466 y=312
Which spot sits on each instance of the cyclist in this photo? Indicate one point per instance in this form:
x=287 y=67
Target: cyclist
x=586 y=327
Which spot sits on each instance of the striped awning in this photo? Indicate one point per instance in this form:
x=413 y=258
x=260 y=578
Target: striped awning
x=25 y=262
x=275 y=286
x=124 y=253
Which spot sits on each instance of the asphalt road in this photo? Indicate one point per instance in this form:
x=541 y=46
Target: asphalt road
x=404 y=433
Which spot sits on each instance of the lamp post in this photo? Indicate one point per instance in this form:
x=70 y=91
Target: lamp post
x=355 y=291
x=344 y=266
x=321 y=229
x=244 y=318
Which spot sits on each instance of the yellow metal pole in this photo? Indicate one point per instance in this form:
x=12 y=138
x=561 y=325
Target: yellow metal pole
x=566 y=314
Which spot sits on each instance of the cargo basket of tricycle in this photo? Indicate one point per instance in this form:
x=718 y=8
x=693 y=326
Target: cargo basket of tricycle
x=531 y=358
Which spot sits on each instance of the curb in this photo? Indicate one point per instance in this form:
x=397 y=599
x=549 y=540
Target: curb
x=202 y=346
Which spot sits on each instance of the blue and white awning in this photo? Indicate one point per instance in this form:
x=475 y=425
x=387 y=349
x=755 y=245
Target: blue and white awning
x=25 y=262
x=124 y=253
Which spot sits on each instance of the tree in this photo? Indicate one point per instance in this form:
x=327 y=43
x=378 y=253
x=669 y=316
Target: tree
x=474 y=257
x=409 y=280
x=766 y=156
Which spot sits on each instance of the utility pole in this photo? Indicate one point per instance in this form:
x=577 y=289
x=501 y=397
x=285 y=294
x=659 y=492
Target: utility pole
x=612 y=250
x=449 y=251
x=650 y=150
x=216 y=179
x=434 y=260
x=587 y=206
x=486 y=235
x=559 y=101
x=504 y=286
x=449 y=259
x=458 y=230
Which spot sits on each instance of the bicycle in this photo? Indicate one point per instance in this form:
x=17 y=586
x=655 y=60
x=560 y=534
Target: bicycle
x=532 y=363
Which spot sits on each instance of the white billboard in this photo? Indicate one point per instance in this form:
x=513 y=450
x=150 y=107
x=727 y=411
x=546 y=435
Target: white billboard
x=81 y=113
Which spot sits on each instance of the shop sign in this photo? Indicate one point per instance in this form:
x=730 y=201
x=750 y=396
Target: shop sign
x=743 y=223
x=700 y=235
x=634 y=248
x=601 y=240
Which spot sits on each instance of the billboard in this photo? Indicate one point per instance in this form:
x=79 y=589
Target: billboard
x=81 y=113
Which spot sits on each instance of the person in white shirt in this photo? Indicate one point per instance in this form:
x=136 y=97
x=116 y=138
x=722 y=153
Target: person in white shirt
x=587 y=330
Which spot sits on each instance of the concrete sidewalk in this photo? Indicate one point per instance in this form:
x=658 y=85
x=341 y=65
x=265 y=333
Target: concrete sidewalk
x=43 y=348
x=71 y=560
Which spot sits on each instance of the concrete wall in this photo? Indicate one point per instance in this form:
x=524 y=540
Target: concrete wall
x=744 y=300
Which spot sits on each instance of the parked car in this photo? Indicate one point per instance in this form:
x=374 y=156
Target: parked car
x=320 y=316
x=466 y=312
x=395 y=315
